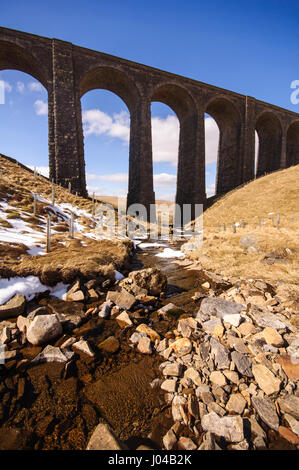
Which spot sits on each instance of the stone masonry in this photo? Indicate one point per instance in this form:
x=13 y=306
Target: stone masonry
x=68 y=72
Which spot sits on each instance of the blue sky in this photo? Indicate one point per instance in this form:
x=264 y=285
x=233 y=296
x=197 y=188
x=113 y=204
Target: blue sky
x=250 y=47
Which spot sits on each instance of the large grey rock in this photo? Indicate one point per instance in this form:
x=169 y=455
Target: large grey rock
x=14 y=307
x=290 y=405
x=243 y=363
x=43 y=329
x=53 y=354
x=103 y=438
x=262 y=317
x=213 y=306
x=220 y=354
x=266 y=411
x=229 y=427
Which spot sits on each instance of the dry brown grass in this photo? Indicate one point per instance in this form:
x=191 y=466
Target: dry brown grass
x=276 y=193
x=97 y=259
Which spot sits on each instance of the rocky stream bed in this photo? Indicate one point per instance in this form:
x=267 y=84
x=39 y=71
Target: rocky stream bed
x=199 y=363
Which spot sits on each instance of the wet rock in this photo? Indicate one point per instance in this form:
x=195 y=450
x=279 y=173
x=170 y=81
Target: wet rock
x=13 y=307
x=220 y=354
x=124 y=320
x=259 y=443
x=246 y=328
x=209 y=442
x=233 y=319
x=290 y=405
x=105 y=309
x=121 y=299
x=229 y=427
x=266 y=411
x=263 y=318
x=243 y=363
x=236 y=404
x=181 y=347
x=169 y=440
x=292 y=422
x=266 y=379
x=218 y=378
x=43 y=329
x=6 y=355
x=243 y=445
x=92 y=295
x=109 y=345
x=167 y=308
x=203 y=392
x=103 y=438
x=273 y=338
x=185 y=443
x=193 y=375
x=169 y=385
x=144 y=345
x=212 y=324
x=143 y=328
x=68 y=343
x=77 y=296
x=83 y=346
x=152 y=280
x=288 y=435
x=216 y=408
x=5 y=335
x=214 y=306
x=136 y=337
x=232 y=376
x=255 y=428
x=290 y=367
x=52 y=354
x=174 y=369
x=23 y=323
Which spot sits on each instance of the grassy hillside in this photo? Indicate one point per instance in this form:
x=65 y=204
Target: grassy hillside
x=274 y=255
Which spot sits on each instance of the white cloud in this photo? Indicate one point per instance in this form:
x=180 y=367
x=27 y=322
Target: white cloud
x=20 y=87
x=35 y=86
x=114 y=177
x=165 y=135
x=41 y=108
x=164 y=179
x=97 y=122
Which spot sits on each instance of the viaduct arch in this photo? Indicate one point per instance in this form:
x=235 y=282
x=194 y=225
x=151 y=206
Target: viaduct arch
x=68 y=71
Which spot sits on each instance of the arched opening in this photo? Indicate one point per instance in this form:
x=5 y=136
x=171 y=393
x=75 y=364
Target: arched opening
x=228 y=120
x=269 y=132
x=165 y=148
x=182 y=104
x=109 y=118
x=24 y=120
x=106 y=130
x=256 y=152
x=211 y=154
x=23 y=115
x=293 y=144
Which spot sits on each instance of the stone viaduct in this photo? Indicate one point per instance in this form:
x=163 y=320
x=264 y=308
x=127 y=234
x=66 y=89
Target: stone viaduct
x=68 y=72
